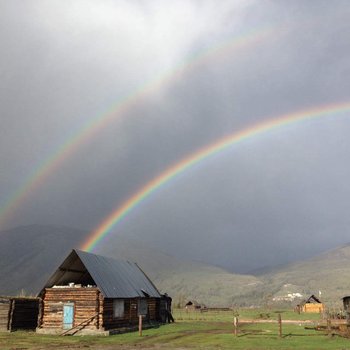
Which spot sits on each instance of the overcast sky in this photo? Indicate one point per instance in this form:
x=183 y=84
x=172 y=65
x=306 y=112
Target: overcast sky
x=272 y=199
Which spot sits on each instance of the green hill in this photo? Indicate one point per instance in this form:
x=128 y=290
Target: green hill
x=328 y=272
x=186 y=280
x=28 y=255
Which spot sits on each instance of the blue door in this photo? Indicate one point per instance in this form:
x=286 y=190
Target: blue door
x=68 y=313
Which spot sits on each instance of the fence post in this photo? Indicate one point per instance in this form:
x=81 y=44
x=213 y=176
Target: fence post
x=140 y=325
x=329 y=326
x=235 y=325
x=280 y=325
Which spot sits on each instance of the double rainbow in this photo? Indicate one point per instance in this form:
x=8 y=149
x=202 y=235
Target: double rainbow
x=98 y=123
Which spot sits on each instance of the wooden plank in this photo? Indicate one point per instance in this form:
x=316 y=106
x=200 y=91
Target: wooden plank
x=12 y=306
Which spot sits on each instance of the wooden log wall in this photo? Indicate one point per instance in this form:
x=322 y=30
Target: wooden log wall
x=25 y=314
x=4 y=314
x=130 y=313
x=108 y=320
x=313 y=307
x=153 y=309
x=86 y=305
x=18 y=313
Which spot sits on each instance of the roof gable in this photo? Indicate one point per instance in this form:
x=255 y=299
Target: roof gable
x=114 y=278
x=312 y=299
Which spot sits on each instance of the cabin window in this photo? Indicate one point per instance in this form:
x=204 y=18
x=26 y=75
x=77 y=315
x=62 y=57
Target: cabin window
x=118 y=308
x=142 y=307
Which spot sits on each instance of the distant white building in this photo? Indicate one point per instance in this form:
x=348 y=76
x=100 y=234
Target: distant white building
x=288 y=297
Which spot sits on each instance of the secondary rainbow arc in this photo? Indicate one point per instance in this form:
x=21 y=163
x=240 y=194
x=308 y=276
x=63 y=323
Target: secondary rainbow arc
x=94 y=125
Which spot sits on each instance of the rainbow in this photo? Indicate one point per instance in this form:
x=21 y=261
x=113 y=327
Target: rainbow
x=204 y=154
x=125 y=104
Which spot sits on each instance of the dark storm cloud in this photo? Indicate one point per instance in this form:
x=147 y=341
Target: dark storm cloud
x=66 y=63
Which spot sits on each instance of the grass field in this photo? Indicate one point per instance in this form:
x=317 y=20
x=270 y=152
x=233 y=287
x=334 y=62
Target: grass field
x=250 y=314
x=214 y=331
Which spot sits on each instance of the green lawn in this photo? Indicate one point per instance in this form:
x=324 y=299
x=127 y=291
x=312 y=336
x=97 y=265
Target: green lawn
x=242 y=313
x=191 y=334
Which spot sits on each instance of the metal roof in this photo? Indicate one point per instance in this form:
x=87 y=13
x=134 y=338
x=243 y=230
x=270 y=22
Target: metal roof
x=114 y=278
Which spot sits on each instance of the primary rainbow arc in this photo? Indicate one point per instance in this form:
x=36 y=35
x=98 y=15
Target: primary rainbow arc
x=188 y=162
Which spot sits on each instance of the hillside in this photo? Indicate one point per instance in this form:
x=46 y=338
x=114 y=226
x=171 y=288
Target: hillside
x=185 y=279
x=28 y=255
x=328 y=272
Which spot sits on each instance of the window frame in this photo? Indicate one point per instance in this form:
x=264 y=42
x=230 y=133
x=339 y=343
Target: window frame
x=120 y=308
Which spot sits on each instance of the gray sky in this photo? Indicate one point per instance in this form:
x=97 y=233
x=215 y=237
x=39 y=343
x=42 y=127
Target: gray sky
x=272 y=199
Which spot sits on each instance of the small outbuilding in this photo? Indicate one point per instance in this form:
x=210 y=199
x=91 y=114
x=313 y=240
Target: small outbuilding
x=346 y=305
x=312 y=305
x=90 y=293
x=193 y=305
x=18 y=313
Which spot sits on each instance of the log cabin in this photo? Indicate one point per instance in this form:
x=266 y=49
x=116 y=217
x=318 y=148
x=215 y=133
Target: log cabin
x=311 y=305
x=92 y=294
x=18 y=313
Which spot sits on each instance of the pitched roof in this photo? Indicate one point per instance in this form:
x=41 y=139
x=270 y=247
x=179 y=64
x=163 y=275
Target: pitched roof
x=114 y=278
x=313 y=298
